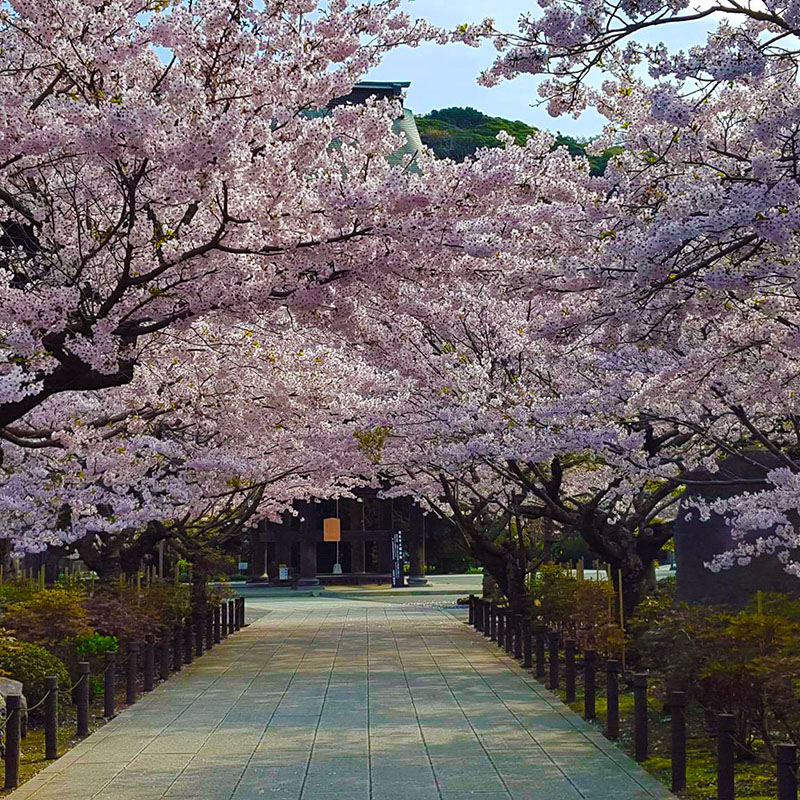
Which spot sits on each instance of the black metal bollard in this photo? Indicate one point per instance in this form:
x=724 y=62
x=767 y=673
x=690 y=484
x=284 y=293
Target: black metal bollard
x=109 y=684
x=725 y=782
x=163 y=654
x=177 y=647
x=242 y=622
x=51 y=718
x=508 y=638
x=149 y=662
x=569 y=669
x=612 y=699
x=199 y=633
x=518 y=636
x=487 y=619
x=677 y=702
x=501 y=628
x=13 y=732
x=640 y=732
x=217 y=630
x=83 y=698
x=786 y=756
x=209 y=620
x=527 y=644
x=231 y=625
x=538 y=639
x=553 y=641
x=188 y=644
x=471 y=612
x=130 y=675
x=492 y=622
x=223 y=610
x=589 y=684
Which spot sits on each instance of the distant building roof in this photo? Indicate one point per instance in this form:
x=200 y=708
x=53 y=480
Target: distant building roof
x=361 y=91
x=404 y=124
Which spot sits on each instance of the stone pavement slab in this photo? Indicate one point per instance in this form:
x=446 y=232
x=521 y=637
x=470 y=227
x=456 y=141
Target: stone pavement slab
x=323 y=699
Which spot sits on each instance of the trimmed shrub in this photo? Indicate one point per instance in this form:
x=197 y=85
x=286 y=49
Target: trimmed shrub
x=50 y=616
x=119 y=611
x=31 y=664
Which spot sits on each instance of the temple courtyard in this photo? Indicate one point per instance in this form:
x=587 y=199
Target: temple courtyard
x=345 y=698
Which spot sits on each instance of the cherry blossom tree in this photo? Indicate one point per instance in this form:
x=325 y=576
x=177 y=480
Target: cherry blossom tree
x=160 y=163
x=692 y=251
x=225 y=427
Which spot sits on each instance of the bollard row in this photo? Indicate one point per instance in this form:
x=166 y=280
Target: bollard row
x=515 y=635
x=182 y=643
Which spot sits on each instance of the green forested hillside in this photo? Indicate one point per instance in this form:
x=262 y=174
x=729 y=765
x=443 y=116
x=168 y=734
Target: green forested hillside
x=458 y=132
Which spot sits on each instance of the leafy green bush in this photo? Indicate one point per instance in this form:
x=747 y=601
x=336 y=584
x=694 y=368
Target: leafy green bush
x=31 y=664
x=166 y=603
x=95 y=644
x=553 y=595
x=50 y=616
x=743 y=663
x=579 y=609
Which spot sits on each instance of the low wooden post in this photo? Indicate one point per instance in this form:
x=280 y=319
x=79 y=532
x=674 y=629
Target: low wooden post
x=677 y=703
x=553 y=641
x=640 y=721
x=199 y=634
x=527 y=644
x=589 y=684
x=518 y=636
x=132 y=667
x=612 y=699
x=508 y=638
x=163 y=654
x=487 y=619
x=569 y=669
x=786 y=756
x=13 y=735
x=109 y=685
x=725 y=753
x=471 y=612
x=231 y=624
x=493 y=622
x=538 y=639
x=217 y=631
x=149 y=662
x=51 y=718
x=223 y=610
x=207 y=617
x=177 y=647
x=188 y=644
x=501 y=628
x=242 y=622
x=82 y=698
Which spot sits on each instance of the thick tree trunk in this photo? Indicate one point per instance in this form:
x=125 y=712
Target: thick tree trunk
x=506 y=566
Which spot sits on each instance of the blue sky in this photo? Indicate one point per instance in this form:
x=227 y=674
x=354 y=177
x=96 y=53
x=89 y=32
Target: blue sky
x=446 y=76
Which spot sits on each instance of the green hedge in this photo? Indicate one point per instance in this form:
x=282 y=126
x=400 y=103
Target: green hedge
x=31 y=664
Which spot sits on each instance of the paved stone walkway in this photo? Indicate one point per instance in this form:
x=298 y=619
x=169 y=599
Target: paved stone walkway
x=342 y=700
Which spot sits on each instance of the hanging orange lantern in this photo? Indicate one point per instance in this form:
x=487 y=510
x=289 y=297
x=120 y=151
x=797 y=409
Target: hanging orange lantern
x=331 y=529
